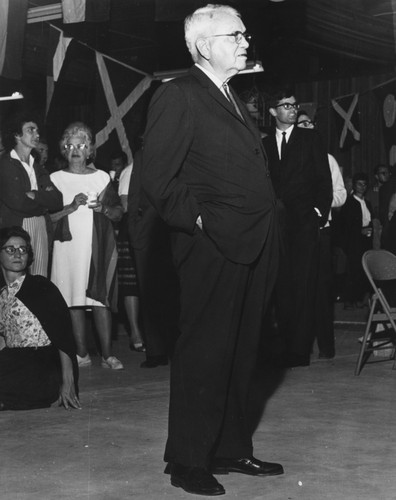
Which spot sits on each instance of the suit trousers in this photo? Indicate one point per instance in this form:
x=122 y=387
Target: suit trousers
x=324 y=302
x=222 y=307
x=296 y=288
x=158 y=295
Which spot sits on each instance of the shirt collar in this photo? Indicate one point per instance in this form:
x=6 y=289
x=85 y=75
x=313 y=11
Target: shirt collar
x=360 y=200
x=288 y=132
x=15 y=286
x=15 y=155
x=215 y=79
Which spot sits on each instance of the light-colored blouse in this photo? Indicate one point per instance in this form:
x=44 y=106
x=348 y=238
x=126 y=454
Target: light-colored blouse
x=18 y=326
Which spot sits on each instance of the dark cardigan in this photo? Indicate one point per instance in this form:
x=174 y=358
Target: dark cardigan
x=15 y=183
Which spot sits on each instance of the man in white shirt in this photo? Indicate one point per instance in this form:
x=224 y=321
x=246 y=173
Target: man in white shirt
x=324 y=303
x=26 y=191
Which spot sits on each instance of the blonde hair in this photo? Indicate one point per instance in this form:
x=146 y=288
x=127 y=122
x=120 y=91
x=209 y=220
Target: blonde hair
x=82 y=131
x=199 y=24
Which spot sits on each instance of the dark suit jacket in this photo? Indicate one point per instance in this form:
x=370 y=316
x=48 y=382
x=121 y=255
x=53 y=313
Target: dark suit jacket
x=200 y=157
x=145 y=226
x=14 y=184
x=302 y=180
x=353 y=242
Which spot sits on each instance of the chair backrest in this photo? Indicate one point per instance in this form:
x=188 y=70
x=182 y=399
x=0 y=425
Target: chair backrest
x=379 y=265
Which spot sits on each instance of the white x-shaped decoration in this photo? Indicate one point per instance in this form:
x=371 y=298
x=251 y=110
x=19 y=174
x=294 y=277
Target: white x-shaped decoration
x=348 y=125
x=117 y=112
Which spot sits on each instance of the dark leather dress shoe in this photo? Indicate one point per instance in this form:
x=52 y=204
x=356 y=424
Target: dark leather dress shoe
x=195 y=480
x=251 y=466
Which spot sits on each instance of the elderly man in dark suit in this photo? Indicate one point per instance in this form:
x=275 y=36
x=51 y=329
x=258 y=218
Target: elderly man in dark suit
x=205 y=171
x=302 y=181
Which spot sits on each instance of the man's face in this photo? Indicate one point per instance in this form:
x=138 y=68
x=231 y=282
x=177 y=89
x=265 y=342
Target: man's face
x=360 y=187
x=226 y=56
x=285 y=112
x=117 y=165
x=383 y=175
x=30 y=135
x=42 y=150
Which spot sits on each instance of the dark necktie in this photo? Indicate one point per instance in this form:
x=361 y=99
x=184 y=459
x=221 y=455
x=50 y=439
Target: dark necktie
x=283 y=146
x=232 y=100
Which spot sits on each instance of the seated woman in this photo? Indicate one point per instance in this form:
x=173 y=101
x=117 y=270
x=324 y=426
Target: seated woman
x=37 y=358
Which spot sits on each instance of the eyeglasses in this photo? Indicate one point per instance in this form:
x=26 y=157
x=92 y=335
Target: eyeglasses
x=288 y=105
x=306 y=123
x=70 y=147
x=10 y=250
x=238 y=36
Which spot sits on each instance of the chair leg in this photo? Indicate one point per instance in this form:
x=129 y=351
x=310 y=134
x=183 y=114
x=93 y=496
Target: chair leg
x=362 y=352
x=388 y=312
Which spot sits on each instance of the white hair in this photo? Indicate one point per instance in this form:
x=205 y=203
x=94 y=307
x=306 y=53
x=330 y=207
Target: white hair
x=199 y=24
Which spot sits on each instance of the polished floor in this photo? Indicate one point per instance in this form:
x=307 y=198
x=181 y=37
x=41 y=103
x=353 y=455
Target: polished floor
x=332 y=431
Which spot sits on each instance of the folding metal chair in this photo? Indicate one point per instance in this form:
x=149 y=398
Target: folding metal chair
x=379 y=266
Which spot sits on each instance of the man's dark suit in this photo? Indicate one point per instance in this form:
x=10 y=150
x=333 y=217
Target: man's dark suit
x=302 y=182
x=201 y=158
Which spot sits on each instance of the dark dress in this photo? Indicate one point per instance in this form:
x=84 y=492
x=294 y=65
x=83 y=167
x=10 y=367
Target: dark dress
x=30 y=377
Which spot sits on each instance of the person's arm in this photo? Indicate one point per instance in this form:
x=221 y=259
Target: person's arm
x=109 y=203
x=339 y=191
x=79 y=199
x=323 y=185
x=48 y=196
x=168 y=139
x=68 y=397
x=392 y=206
x=15 y=192
x=124 y=202
x=114 y=213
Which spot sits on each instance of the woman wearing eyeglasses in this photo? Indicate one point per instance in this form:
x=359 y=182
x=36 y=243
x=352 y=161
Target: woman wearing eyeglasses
x=37 y=350
x=85 y=254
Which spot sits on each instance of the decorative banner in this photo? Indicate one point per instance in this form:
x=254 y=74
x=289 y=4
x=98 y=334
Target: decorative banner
x=13 y=18
x=112 y=128
x=118 y=112
x=57 y=48
x=347 y=120
x=78 y=11
x=386 y=95
x=60 y=54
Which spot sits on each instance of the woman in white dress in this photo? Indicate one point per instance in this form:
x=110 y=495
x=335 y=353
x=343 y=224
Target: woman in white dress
x=84 y=255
